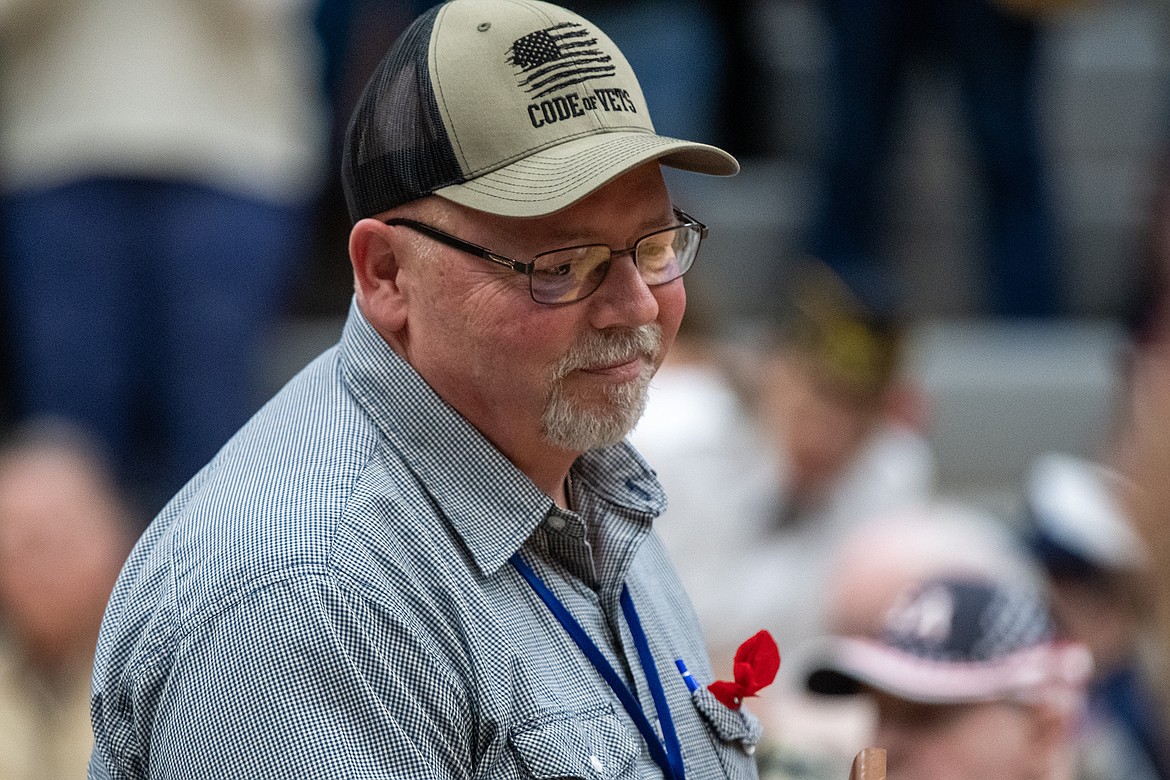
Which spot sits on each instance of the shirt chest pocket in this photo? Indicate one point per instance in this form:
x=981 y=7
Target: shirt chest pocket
x=592 y=745
x=737 y=733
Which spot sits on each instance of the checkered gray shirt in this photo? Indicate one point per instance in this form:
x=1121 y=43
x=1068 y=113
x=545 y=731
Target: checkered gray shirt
x=330 y=597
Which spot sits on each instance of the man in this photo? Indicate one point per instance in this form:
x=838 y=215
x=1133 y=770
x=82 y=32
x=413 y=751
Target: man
x=64 y=533
x=967 y=682
x=1097 y=568
x=431 y=555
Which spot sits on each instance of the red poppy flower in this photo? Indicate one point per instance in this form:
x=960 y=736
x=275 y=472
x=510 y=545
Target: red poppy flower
x=756 y=662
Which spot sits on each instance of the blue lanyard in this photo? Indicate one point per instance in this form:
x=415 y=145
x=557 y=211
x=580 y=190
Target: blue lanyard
x=668 y=757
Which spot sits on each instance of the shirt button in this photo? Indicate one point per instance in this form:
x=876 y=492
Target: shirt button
x=557 y=523
x=597 y=763
x=749 y=749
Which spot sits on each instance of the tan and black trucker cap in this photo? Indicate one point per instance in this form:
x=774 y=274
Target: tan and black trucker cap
x=513 y=107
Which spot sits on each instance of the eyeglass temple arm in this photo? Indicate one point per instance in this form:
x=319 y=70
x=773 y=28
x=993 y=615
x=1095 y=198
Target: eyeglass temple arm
x=463 y=246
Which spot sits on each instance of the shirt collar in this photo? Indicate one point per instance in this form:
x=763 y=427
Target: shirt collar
x=491 y=505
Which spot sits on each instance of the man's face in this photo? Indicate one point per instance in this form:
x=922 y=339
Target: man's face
x=573 y=376
x=977 y=741
x=823 y=426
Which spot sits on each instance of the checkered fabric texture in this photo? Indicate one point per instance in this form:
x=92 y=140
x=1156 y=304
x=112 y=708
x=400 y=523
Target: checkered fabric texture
x=956 y=620
x=330 y=597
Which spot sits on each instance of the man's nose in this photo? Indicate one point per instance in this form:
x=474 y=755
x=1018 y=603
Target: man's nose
x=624 y=299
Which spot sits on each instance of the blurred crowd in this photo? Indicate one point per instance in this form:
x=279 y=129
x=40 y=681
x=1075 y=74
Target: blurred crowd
x=169 y=197
x=817 y=515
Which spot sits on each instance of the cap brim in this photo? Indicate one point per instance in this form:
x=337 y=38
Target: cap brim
x=555 y=178
x=845 y=665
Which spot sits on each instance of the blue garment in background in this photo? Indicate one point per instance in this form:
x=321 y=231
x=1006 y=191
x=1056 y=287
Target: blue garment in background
x=135 y=298
x=994 y=57
x=676 y=50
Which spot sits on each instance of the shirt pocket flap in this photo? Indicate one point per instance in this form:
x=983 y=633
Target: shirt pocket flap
x=728 y=724
x=588 y=745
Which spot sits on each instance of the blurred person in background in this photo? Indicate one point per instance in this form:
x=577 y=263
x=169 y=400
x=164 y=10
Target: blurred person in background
x=1146 y=460
x=1143 y=441
x=64 y=534
x=157 y=161
x=967 y=680
x=771 y=449
x=993 y=47
x=890 y=552
x=864 y=573
x=850 y=426
x=1099 y=594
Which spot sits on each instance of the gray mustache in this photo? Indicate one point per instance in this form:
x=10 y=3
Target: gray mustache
x=615 y=346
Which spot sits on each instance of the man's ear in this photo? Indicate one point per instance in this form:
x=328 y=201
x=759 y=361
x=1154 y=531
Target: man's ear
x=374 y=254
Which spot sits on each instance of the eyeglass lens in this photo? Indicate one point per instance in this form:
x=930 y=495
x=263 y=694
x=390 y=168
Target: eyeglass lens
x=571 y=274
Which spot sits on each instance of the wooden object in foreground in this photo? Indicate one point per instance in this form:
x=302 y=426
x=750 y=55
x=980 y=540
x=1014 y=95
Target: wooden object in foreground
x=870 y=764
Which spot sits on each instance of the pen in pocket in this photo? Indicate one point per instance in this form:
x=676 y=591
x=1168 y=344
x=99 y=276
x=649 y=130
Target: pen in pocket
x=692 y=686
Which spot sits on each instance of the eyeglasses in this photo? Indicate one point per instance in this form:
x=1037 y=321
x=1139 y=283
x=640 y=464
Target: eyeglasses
x=570 y=274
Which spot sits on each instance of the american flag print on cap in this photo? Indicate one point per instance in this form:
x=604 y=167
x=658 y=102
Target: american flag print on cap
x=556 y=57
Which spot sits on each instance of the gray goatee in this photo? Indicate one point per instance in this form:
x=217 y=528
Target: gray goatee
x=570 y=423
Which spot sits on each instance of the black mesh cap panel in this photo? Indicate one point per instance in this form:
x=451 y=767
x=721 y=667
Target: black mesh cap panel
x=396 y=148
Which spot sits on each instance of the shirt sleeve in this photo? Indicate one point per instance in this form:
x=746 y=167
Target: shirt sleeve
x=301 y=679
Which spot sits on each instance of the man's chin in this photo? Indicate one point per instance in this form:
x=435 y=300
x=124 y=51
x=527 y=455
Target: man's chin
x=582 y=424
